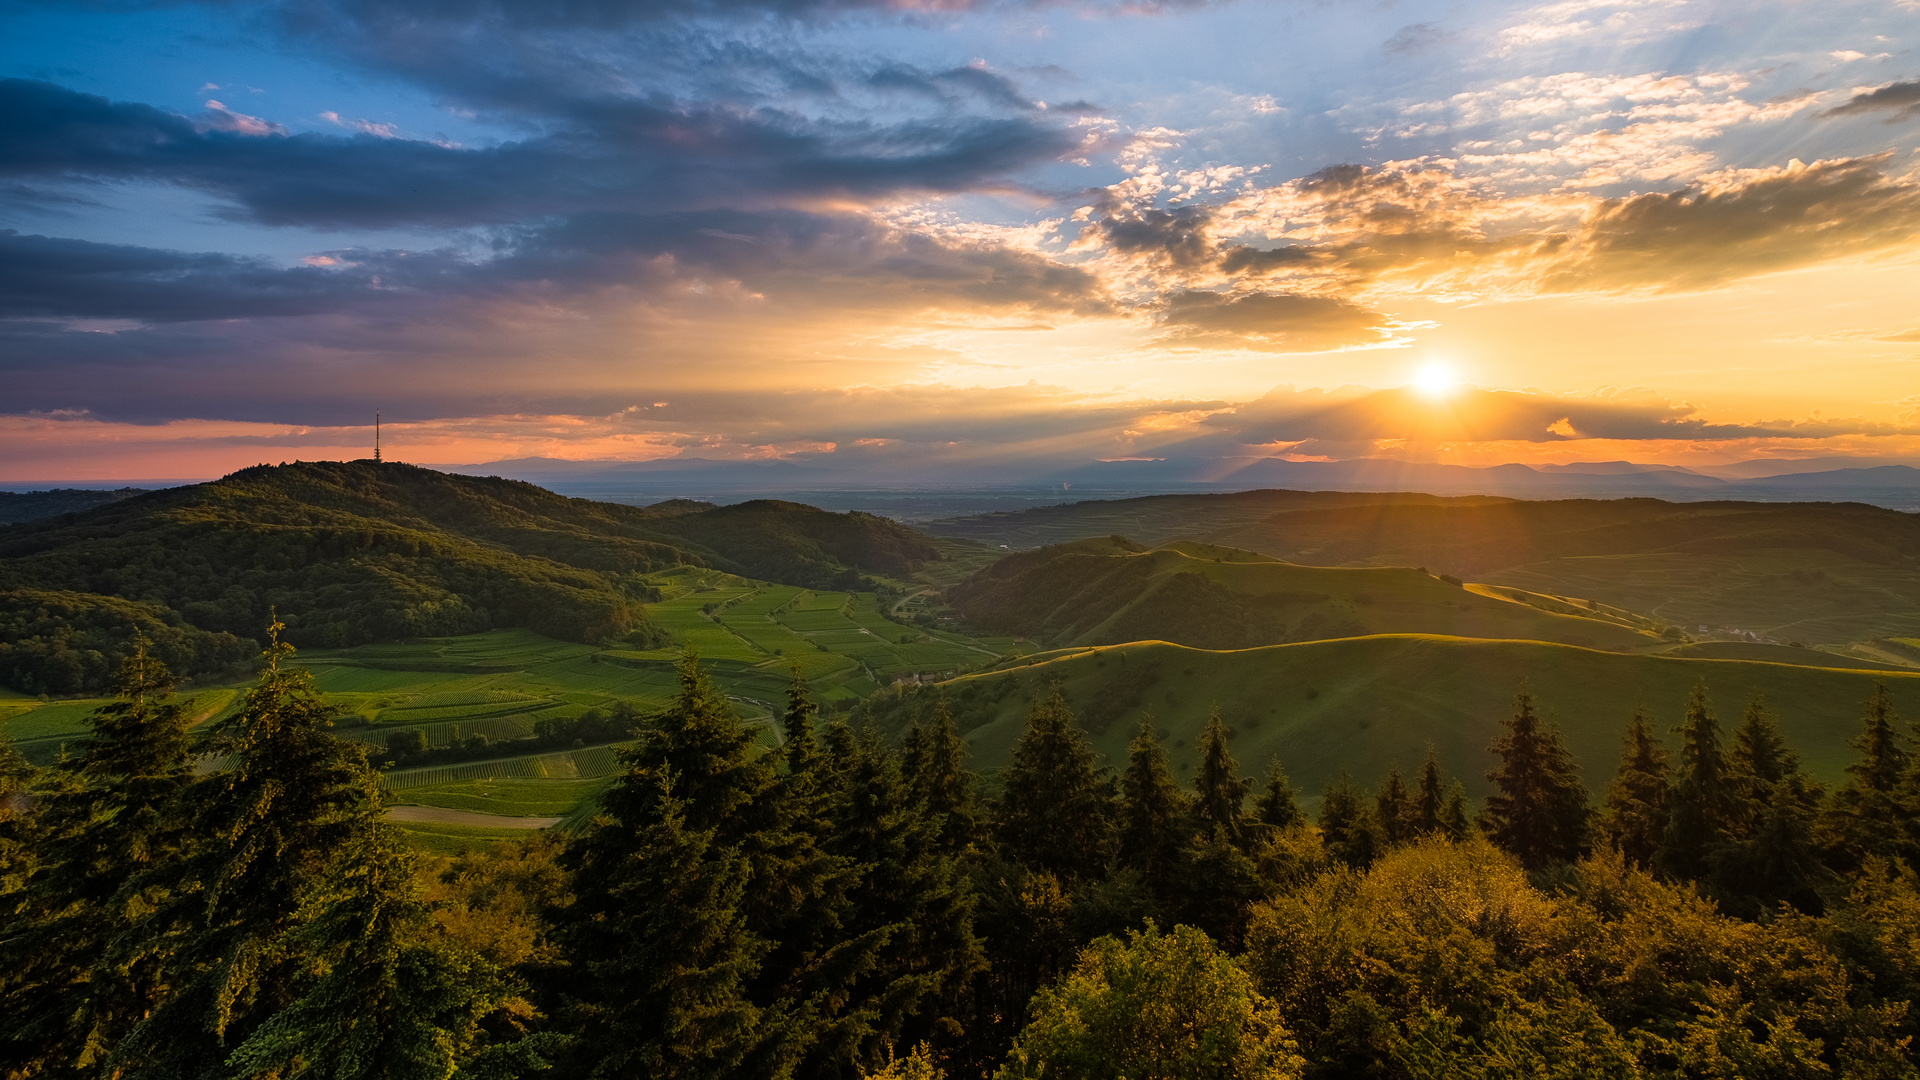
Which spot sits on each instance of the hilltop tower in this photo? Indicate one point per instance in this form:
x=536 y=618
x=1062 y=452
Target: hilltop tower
x=376 y=435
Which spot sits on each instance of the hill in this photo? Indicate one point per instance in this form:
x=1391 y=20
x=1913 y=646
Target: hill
x=361 y=551
x=1365 y=704
x=1105 y=592
x=1156 y=519
x=33 y=505
x=1804 y=574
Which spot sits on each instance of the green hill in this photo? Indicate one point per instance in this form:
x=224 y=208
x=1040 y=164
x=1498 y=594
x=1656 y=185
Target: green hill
x=1109 y=591
x=1808 y=573
x=1365 y=704
x=352 y=552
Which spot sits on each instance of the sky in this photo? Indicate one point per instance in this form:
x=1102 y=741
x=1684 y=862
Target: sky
x=972 y=239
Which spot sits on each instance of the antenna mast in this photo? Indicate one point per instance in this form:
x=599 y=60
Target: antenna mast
x=376 y=434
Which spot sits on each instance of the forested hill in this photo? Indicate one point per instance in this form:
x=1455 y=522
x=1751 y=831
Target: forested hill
x=33 y=505
x=352 y=552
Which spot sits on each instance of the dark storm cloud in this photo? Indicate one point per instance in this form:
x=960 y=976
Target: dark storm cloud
x=43 y=277
x=628 y=154
x=1902 y=99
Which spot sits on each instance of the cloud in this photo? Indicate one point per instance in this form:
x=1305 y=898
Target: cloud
x=1416 y=38
x=221 y=118
x=1732 y=225
x=1421 y=228
x=634 y=154
x=44 y=277
x=1286 y=321
x=1901 y=99
x=1359 y=417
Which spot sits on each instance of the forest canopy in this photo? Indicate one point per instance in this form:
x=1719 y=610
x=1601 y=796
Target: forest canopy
x=844 y=906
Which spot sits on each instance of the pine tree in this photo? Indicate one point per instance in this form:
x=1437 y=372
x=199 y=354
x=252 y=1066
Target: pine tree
x=391 y=999
x=1430 y=803
x=665 y=958
x=1539 y=812
x=907 y=949
x=1277 y=805
x=1770 y=856
x=1868 y=815
x=1155 y=815
x=1636 y=816
x=1348 y=829
x=1394 y=807
x=660 y=950
x=1457 y=819
x=1698 y=807
x=111 y=816
x=1220 y=791
x=248 y=926
x=797 y=724
x=936 y=769
x=1056 y=810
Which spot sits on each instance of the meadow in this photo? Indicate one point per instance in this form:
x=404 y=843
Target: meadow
x=468 y=693
x=1366 y=704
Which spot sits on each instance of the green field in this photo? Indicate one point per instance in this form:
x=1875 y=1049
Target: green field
x=455 y=839
x=511 y=797
x=500 y=684
x=1364 y=704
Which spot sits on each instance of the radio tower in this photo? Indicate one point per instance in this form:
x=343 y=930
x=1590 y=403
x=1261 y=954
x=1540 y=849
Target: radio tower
x=376 y=435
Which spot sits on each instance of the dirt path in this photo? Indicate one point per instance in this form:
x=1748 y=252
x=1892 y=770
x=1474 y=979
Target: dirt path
x=436 y=815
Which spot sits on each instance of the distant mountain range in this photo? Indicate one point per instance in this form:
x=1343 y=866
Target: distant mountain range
x=1896 y=486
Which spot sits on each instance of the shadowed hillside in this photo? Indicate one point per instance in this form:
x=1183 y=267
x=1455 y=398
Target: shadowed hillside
x=1105 y=592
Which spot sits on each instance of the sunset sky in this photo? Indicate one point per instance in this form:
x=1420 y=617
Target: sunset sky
x=987 y=238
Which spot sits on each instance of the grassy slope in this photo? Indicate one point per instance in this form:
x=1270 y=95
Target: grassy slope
x=1366 y=703
x=1099 y=592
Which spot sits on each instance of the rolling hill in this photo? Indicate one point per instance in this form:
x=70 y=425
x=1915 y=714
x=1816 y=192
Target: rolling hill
x=1110 y=591
x=361 y=551
x=1365 y=704
x=1828 y=574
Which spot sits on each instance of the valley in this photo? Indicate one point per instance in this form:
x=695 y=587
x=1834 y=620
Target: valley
x=495 y=643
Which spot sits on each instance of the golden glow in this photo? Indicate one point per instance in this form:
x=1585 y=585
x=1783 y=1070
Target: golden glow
x=1436 y=380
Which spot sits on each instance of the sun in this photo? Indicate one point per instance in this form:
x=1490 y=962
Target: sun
x=1435 y=380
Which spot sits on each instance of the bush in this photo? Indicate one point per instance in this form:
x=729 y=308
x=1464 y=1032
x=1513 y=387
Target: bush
x=1155 y=1005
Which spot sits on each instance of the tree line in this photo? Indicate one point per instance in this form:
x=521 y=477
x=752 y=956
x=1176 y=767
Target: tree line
x=843 y=907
